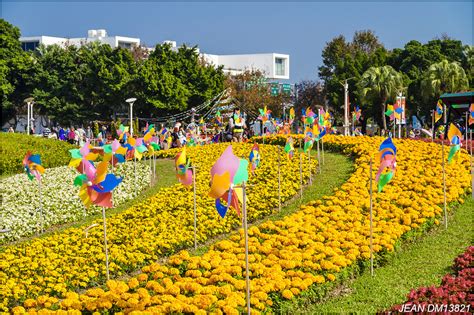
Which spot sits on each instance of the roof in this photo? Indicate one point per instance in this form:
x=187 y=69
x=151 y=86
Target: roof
x=458 y=98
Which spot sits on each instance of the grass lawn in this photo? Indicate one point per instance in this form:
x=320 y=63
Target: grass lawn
x=422 y=262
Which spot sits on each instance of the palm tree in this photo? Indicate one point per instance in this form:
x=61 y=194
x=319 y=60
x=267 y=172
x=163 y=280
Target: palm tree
x=443 y=77
x=380 y=84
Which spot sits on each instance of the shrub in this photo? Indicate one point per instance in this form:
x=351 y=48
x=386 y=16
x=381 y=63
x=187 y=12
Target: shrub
x=14 y=147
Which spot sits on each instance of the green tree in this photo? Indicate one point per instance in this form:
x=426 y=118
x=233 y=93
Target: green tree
x=349 y=59
x=378 y=85
x=443 y=77
x=15 y=71
x=175 y=80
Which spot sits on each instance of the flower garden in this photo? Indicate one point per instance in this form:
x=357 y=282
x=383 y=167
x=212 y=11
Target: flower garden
x=61 y=203
x=152 y=270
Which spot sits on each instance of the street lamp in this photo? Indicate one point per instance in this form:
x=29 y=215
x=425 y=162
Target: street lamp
x=29 y=102
x=130 y=101
x=346 y=105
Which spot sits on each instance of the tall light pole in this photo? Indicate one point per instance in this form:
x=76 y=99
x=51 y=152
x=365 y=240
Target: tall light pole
x=29 y=103
x=346 y=106
x=130 y=101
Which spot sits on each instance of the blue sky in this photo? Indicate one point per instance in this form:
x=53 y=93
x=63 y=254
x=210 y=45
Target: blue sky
x=298 y=29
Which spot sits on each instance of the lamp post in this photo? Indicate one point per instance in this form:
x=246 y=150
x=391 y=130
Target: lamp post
x=346 y=105
x=29 y=103
x=130 y=101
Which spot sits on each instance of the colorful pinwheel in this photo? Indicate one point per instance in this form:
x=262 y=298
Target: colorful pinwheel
x=255 y=157
x=32 y=165
x=219 y=118
x=388 y=160
x=310 y=115
x=265 y=114
x=454 y=136
x=136 y=144
x=183 y=170
x=80 y=157
x=226 y=173
x=291 y=116
x=289 y=149
x=122 y=132
x=308 y=143
x=471 y=114
x=356 y=114
x=96 y=185
x=398 y=110
x=390 y=112
x=438 y=113
x=115 y=152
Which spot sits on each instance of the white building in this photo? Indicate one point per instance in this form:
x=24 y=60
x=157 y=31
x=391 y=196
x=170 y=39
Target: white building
x=30 y=43
x=273 y=65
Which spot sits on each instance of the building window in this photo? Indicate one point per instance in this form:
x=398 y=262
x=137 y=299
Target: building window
x=28 y=46
x=280 y=66
x=126 y=45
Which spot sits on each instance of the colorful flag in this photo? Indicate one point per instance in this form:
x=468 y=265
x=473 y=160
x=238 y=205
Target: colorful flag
x=454 y=136
x=438 y=111
x=387 y=156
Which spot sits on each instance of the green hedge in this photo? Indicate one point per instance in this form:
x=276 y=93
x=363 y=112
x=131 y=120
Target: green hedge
x=13 y=147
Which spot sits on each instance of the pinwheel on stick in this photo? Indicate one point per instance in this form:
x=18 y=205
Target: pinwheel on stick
x=254 y=156
x=34 y=169
x=187 y=175
x=115 y=152
x=228 y=177
x=96 y=188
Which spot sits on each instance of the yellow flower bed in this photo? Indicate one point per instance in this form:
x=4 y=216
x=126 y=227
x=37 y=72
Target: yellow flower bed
x=160 y=225
x=289 y=255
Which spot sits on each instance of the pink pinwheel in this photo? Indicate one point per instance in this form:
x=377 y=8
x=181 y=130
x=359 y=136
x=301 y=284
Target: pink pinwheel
x=97 y=185
x=227 y=172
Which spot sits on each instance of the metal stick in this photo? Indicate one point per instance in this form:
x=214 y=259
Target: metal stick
x=135 y=169
x=247 y=276
x=41 y=206
x=151 y=171
x=301 y=176
x=154 y=166
x=319 y=157
x=105 y=244
x=371 y=222
x=432 y=126
x=444 y=184
x=279 y=181
x=472 y=167
x=309 y=166
x=322 y=148
x=194 y=200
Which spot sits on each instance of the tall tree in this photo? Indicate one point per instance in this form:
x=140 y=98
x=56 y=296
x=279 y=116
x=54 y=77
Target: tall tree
x=175 y=80
x=15 y=69
x=380 y=84
x=343 y=60
x=443 y=77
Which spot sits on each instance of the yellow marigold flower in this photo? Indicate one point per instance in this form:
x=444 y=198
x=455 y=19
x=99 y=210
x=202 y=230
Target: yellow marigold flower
x=287 y=294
